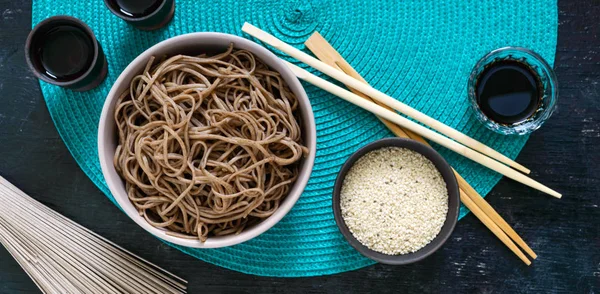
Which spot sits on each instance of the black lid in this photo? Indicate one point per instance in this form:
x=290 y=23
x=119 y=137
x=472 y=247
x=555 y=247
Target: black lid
x=63 y=51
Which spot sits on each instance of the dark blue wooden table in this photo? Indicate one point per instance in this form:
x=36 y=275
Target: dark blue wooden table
x=564 y=154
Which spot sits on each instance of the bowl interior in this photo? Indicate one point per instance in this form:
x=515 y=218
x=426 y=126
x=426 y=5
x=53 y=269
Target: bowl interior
x=453 y=201
x=197 y=43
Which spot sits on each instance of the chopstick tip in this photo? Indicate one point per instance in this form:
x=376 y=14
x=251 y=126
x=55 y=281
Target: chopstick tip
x=247 y=26
x=550 y=192
x=519 y=167
x=313 y=37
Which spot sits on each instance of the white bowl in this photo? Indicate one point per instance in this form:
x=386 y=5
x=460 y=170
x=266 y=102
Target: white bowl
x=197 y=43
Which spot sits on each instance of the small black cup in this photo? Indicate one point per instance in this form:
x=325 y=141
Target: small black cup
x=63 y=51
x=145 y=15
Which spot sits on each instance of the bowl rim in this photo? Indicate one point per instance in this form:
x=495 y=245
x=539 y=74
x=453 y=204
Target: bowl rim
x=34 y=35
x=270 y=59
x=453 y=201
x=126 y=17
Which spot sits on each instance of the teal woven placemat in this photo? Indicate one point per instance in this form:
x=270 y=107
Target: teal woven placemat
x=418 y=51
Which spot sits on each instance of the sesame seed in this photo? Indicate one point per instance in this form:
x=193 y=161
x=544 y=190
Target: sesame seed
x=416 y=202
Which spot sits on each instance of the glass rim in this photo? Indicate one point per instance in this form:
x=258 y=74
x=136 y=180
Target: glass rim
x=545 y=73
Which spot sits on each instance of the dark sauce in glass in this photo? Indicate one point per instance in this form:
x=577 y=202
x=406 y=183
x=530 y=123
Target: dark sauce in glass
x=508 y=91
x=65 y=53
x=136 y=8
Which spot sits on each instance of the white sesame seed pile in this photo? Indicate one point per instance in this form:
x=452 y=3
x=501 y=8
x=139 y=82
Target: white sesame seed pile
x=394 y=200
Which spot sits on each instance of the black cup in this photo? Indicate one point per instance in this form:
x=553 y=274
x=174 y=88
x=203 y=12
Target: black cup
x=143 y=14
x=63 y=51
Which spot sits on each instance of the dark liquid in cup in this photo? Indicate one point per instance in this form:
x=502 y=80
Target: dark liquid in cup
x=65 y=52
x=136 y=8
x=508 y=91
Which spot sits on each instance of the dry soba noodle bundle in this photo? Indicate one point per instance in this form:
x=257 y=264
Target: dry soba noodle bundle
x=208 y=145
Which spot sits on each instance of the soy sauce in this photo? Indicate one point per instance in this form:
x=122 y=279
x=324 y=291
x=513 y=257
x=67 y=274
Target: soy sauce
x=508 y=91
x=137 y=8
x=65 y=52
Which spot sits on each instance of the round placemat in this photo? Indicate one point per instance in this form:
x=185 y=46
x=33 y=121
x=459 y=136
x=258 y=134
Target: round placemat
x=420 y=52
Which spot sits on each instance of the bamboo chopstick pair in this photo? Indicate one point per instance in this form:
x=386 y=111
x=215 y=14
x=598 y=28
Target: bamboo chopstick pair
x=475 y=151
x=470 y=198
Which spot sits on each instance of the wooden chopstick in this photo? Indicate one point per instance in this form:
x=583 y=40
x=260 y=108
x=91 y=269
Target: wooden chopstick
x=419 y=129
x=380 y=96
x=492 y=214
x=389 y=115
x=485 y=219
x=326 y=53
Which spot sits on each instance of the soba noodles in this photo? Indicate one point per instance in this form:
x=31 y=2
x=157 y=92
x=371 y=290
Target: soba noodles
x=208 y=145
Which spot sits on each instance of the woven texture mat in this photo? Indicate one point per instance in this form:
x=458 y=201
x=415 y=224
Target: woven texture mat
x=420 y=52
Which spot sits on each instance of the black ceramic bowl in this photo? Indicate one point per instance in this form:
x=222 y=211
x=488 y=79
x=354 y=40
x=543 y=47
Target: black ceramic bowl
x=453 y=201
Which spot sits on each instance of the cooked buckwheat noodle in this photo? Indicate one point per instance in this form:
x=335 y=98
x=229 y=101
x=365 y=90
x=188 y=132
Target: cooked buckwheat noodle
x=208 y=145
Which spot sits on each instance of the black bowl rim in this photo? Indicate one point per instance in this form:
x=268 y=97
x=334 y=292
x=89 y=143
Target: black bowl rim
x=133 y=19
x=453 y=201
x=98 y=53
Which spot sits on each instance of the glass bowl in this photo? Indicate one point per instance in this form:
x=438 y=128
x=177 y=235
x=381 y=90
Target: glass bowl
x=547 y=80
